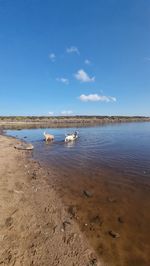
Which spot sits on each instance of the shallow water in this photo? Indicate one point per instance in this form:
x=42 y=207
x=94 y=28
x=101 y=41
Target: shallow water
x=111 y=163
x=122 y=147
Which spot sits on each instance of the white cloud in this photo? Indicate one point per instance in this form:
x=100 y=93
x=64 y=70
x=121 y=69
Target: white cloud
x=82 y=76
x=96 y=98
x=51 y=113
x=87 y=62
x=52 y=57
x=67 y=112
x=63 y=80
x=72 y=49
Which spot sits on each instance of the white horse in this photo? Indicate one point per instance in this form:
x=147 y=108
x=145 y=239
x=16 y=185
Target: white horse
x=48 y=136
x=71 y=137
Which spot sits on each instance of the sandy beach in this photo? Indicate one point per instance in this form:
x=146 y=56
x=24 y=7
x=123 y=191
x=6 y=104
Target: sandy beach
x=35 y=227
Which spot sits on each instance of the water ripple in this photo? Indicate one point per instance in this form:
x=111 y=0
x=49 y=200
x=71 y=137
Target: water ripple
x=123 y=147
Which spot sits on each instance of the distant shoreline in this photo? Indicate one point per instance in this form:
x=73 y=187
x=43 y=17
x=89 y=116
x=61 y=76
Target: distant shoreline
x=45 y=121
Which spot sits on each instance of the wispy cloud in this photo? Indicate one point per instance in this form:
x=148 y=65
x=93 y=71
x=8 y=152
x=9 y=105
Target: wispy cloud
x=51 y=113
x=66 y=112
x=72 y=49
x=82 y=76
x=52 y=57
x=63 y=80
x=87 y=62
x=96 y=98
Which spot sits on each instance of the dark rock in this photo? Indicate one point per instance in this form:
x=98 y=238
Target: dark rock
x=87 y=193
x=34 y=175
x=92 y=262
x=73 y=211
x=96 y=220
x=114 y=234
x=120 y=220
x=46 y=209
x=9 y=221
x=65 y=223
x=54 y=228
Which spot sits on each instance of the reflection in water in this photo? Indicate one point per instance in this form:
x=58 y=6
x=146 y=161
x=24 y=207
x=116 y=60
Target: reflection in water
x=70 y=144
x=105 y=175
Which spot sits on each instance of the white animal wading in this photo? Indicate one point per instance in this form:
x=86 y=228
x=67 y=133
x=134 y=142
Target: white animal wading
x=71 y=137
x=48 y=137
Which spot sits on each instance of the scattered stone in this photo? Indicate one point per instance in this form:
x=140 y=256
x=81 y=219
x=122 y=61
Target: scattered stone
x=71 y=238
x=114 y=234
x=64 y=238
x=24 y=146
x=65 y=223
x=73 y=211
x=18 y=191
x=2 y=237
x=96 y=220
x=34 y=175
x=46 y=209
x=9 y=221
x=54 y=228
x=111 y=199
x=92 y=228
x=92 y=262
x=87 y=193
x=120 y=220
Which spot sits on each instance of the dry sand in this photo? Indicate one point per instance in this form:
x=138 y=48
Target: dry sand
x=35 y=227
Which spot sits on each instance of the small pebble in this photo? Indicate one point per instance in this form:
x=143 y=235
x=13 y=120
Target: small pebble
x=114 y=234
x=88 y=194
x=120 y=220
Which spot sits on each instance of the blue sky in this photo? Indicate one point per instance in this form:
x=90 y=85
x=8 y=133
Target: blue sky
x=74 y=57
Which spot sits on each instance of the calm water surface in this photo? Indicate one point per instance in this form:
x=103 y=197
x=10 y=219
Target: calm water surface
x=122 y=147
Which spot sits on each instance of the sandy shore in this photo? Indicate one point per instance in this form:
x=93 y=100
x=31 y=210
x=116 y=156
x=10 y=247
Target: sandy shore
x=35 y=227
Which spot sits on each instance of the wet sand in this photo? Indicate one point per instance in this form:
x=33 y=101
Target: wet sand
x=35 y=227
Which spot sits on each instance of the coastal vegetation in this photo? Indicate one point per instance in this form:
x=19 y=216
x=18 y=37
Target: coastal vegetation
x=19 y=122
x=67 y=119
